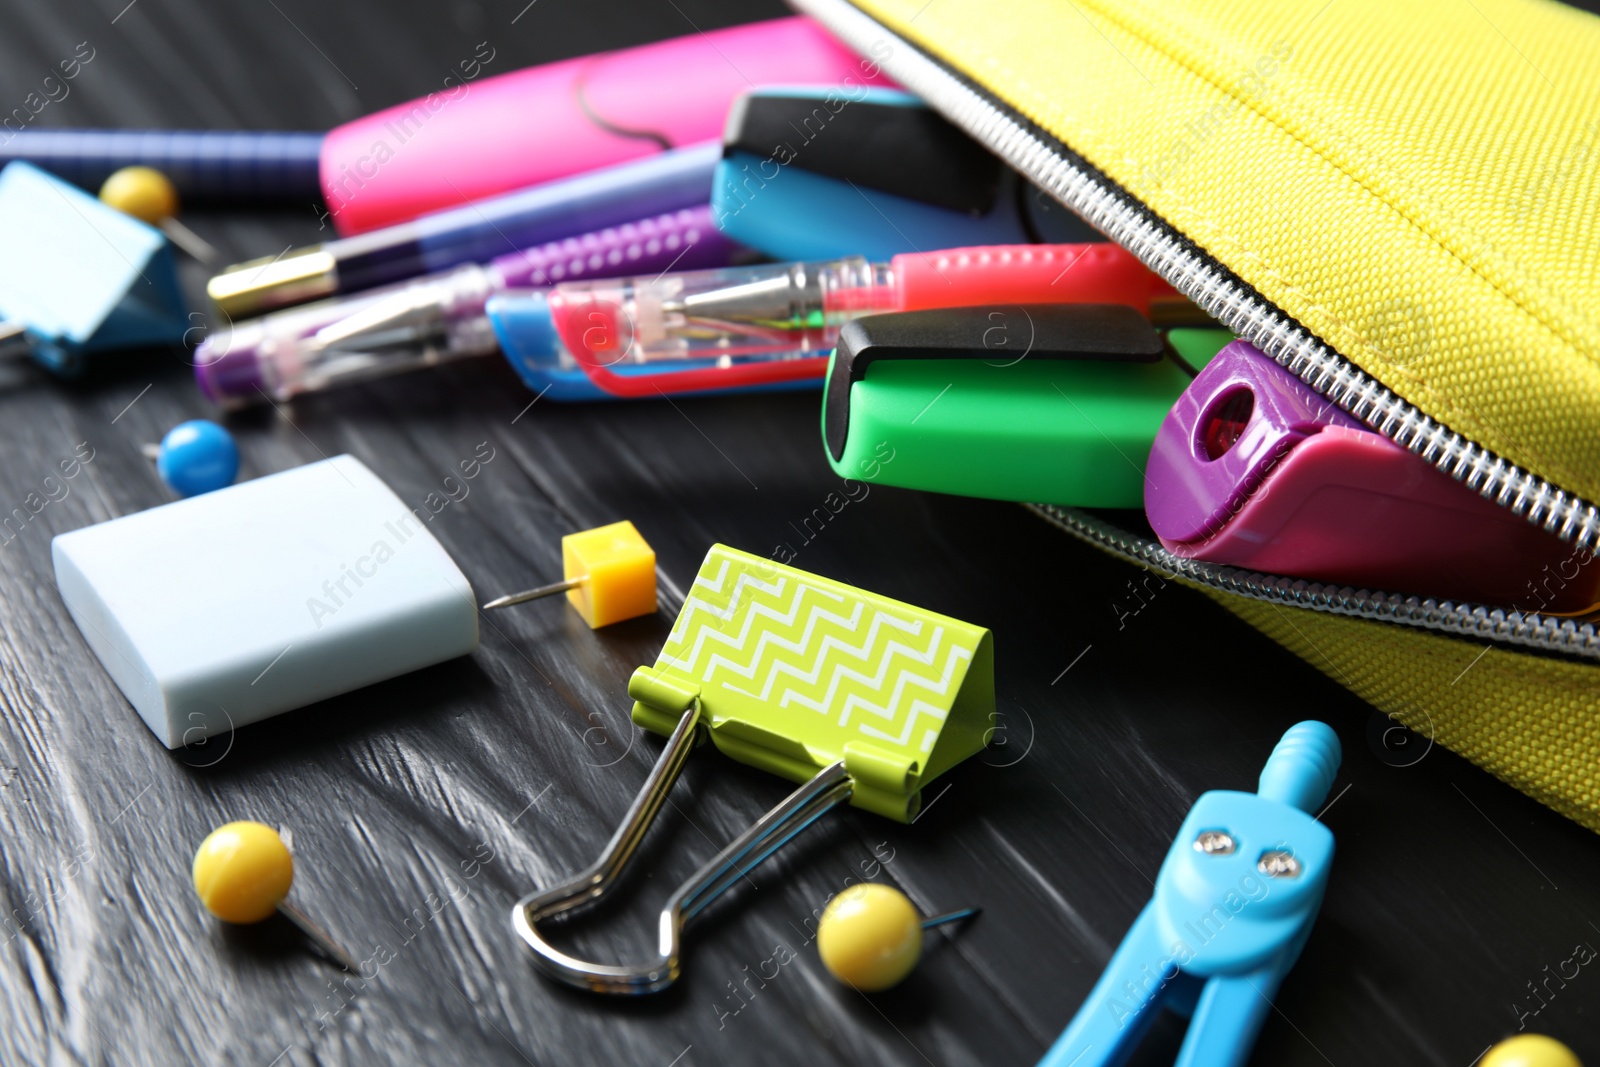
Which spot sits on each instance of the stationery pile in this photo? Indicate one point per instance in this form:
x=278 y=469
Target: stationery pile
x=773 y=207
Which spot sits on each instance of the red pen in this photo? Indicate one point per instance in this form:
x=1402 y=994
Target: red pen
x=750 y=326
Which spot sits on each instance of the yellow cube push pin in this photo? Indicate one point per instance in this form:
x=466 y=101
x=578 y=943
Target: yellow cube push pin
x=610 y=576
x=1530 y=1050
x=149 y=196
x=243 y=871
x=870 y=936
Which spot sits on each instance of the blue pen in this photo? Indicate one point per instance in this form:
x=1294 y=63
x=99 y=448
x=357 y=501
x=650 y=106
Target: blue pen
x=473 y=233
x=203 y=165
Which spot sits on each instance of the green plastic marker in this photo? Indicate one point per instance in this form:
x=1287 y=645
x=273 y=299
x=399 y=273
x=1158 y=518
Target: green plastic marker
x=1051 y=404
x=1196 y=346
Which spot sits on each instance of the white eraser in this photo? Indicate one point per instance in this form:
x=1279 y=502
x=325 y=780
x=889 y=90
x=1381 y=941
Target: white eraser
x=219 y=610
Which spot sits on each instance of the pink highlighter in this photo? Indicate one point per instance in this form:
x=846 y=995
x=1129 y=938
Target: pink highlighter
x=477 y=139
x=1254 y=469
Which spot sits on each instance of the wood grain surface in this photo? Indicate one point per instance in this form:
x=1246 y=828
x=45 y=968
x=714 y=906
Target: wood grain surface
x=423 y=807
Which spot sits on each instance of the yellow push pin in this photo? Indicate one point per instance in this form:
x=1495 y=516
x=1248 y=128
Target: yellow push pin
x=242 y=872
x=610 y=576
x=1530 y=1050
x=148 y=195
x=870 y=936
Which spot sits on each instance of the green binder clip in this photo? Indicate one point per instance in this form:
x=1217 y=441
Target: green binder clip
x=861 y=698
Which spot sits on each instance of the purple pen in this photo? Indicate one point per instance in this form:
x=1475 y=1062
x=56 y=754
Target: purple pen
x=437 y=318
x=471 y=233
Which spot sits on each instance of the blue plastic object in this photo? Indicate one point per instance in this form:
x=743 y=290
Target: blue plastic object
x=79 y=275
x=197 y=457
x=1233 y=906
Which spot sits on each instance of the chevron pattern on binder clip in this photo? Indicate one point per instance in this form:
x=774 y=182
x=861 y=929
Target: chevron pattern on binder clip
x=795 y=671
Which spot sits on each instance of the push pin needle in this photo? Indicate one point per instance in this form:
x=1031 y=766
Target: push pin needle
x=243 y=871
x=533 y=594
x=950 y=917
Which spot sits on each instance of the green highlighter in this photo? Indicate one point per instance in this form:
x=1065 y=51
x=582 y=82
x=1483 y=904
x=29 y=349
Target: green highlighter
x=1045 y=403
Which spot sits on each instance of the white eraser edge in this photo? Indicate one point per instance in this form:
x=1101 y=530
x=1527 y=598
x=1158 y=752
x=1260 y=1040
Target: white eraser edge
x=199 y=650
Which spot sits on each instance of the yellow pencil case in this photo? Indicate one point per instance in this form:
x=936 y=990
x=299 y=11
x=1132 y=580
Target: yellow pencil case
x=1395 y=199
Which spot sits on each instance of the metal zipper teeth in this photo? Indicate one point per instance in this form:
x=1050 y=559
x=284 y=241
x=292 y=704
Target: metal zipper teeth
x=1048 y=164
x=1464 y=620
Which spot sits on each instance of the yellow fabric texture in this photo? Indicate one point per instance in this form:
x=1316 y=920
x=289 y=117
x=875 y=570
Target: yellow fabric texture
x=1528 y=720
x=1414 y=181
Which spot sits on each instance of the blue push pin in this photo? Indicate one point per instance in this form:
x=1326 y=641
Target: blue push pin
x=196 y=457
x=1233 y=906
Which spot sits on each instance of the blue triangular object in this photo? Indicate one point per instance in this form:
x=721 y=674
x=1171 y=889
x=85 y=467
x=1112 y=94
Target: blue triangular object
x=81 y=276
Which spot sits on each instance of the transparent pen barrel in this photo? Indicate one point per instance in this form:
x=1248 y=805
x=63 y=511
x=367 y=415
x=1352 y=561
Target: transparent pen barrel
x=769 y=312
x=318 y=346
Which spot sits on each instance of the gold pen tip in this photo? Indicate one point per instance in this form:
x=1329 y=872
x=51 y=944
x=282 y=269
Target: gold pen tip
x=264 y=285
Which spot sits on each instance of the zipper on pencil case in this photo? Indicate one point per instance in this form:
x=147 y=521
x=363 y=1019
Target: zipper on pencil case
x=1056 y=169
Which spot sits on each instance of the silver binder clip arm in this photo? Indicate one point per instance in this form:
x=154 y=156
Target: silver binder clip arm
x=829 y=788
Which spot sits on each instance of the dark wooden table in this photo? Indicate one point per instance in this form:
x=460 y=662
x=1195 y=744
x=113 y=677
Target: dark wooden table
x=424 y=806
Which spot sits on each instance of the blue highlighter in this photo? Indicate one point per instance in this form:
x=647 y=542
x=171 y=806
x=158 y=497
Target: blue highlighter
x=814 y=173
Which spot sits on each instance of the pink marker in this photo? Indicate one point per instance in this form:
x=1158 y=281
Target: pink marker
x=476 y=139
